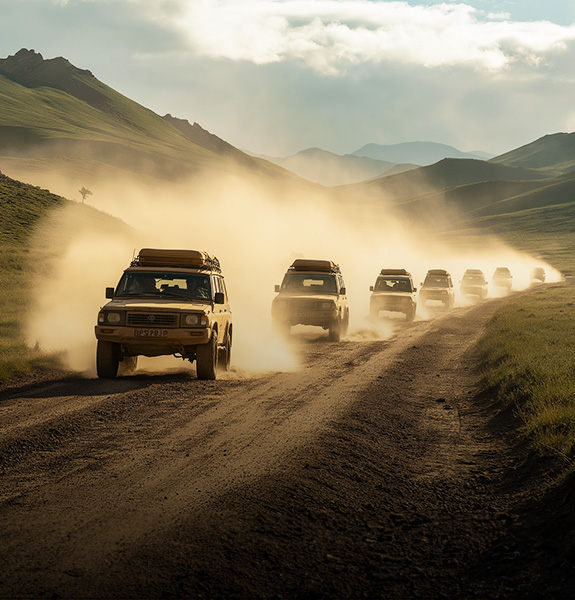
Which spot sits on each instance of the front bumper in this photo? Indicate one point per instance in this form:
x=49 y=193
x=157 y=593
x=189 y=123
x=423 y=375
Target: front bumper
x=319 y=318
x=153 y=341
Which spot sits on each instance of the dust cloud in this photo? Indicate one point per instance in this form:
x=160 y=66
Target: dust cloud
x=255 y=230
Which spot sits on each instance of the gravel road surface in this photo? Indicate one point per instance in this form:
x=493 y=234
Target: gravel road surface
x=375 y=471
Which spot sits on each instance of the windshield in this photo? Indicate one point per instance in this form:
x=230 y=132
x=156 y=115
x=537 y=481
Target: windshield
x=309 y=283
x=141 y=283
x=392 y=284
x=436 y=281
x=473 y=279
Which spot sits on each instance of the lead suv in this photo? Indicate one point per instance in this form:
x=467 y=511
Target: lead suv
x=393 y=291
x=438 y=285
x=167 y=302
x=312 y=293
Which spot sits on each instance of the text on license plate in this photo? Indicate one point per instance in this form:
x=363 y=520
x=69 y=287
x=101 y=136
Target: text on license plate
x=304 y=314
x=150 y=332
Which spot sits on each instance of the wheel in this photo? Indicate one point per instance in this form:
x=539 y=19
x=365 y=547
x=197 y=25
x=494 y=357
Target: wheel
x=207 y=358
x=128 y=365
x=410 y=314
x=373 y=312
x=335 y=331
x=107 y=359
x=225 y=354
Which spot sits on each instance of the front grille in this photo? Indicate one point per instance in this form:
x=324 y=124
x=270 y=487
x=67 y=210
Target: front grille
x=152 y=320
x=303 y=305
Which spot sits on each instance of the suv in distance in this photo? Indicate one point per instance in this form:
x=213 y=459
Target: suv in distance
x=502 y=278
x=473 y=283
x=394 y=292
x=437 y=285
x=167 y=302
x=312 y=293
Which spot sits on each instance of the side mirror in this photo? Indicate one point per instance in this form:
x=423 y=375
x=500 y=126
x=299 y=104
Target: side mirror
x=219 y=298
x=109 y=293
x=415 y=289
x=277 y=288
x=371 y=288
x=342 y=291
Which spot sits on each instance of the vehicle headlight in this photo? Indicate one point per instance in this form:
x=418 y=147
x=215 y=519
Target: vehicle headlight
x=327 y=306
x=281 y=304
x=112 y=318
x=193 y=320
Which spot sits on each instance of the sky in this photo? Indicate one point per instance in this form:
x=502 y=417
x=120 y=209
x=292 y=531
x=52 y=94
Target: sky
x=274 y=77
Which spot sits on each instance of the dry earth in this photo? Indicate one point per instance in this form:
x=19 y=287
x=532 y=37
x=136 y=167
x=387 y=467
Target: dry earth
x=376 y=471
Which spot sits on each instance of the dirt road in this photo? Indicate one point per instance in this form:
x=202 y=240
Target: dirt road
x=373 y=472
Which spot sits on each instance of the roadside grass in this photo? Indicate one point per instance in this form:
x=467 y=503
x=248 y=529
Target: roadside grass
x=528 y=357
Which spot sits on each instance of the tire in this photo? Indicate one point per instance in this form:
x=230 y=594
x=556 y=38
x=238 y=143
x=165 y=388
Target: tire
x=225 y=354
x=107 y=359
x=373 y=313
x=128 y=365
x=335 y=331
x=207 y=358
x=410 y=315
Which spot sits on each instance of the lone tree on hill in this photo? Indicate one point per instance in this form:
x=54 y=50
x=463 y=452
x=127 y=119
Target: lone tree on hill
x=85 y=192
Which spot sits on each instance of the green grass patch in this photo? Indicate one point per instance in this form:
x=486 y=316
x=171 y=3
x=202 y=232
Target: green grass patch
x=529 y=359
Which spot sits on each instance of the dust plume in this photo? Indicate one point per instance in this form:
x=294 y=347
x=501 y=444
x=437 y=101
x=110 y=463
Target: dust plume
x=255 y=230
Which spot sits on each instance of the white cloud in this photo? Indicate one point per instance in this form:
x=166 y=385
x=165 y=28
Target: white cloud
x=332 y=35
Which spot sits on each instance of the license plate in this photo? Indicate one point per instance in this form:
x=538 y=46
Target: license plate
x=303 y=315
x=150 y=333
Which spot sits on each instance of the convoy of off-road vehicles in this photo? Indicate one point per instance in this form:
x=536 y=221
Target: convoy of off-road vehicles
x=175 y=302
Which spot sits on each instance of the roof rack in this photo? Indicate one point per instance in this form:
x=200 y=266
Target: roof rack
x=308 y=264
x=192 y=259
x=437 y=272
x=395 y=272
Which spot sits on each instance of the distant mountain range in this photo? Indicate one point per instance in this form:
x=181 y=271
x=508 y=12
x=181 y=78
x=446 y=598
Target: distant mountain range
x=370 y=161
x=57 y=118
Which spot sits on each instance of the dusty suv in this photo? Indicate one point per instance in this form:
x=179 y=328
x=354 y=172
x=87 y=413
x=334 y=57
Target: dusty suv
x=394 y=292
x=168 y=302
x=502 y=278
x=312 y=293
x=473 y=283
x=437 y=285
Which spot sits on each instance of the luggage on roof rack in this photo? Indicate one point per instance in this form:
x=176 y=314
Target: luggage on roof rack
x=395 y=272
x=159 y=257
x=308 y=264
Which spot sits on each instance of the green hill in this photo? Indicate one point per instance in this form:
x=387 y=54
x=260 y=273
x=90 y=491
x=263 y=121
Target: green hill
x=22 y=208
x=447 y=173
x=552 y=153
x=51 y=109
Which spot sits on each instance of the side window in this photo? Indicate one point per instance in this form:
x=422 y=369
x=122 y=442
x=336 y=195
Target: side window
x=219 y=286
x=223 y=284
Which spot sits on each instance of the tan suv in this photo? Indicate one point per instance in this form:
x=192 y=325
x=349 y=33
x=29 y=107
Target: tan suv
x=394 y=292
x=168 y=302
x=312 y=293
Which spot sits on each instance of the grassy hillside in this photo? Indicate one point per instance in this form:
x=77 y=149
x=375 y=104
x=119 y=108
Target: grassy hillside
x=49 y=108
x=552 y=153
x=22 y=207
x=547 y=231
x=445 y=174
